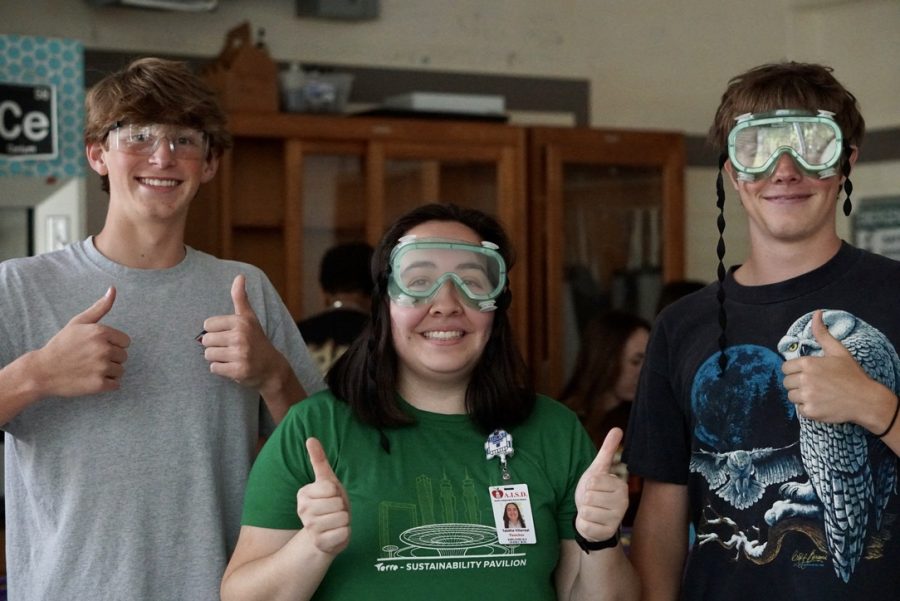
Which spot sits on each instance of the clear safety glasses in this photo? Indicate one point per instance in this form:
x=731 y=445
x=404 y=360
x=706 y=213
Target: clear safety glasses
x=143 y=140
x=813 y=140
x=421 y=266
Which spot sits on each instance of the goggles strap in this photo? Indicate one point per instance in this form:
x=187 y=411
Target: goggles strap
x=848 y=185
x=720 y=271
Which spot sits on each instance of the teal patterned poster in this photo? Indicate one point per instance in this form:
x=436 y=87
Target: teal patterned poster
x=41 y=107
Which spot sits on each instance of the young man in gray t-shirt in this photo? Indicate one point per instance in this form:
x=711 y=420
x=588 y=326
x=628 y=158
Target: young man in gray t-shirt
x=128 y=436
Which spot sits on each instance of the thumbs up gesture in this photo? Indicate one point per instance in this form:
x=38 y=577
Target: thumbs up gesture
x=85 y=356
x=601 y=497
x=236 y=346
x=831 y=387
x=322 y=505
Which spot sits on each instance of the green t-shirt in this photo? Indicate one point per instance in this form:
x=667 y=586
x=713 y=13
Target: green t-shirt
x=422 y=522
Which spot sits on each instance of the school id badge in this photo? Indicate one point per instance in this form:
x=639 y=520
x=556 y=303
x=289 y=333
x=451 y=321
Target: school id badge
x=512 y=514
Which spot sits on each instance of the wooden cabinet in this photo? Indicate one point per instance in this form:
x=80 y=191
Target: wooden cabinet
x=572 y=201
x=294 y=185
x=607 y=225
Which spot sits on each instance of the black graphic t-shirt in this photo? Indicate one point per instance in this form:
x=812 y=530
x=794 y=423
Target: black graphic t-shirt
x=783 y=507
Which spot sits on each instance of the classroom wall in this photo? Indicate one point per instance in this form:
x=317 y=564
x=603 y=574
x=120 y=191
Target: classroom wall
x=652 y=63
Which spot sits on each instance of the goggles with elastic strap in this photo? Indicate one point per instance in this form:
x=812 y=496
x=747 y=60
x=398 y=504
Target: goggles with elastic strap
x=813 y=140
x=421 y=266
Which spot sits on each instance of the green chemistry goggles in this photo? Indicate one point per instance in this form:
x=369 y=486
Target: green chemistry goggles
x=421 y=266
x=813 y=140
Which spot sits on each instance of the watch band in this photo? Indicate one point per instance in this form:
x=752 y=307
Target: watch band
x=588 y=546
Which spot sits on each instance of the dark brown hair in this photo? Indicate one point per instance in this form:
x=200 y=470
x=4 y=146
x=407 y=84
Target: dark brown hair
x=155 y=90
x=787 y=85
x=345 y=268
x=500 y=392
x=599 y=361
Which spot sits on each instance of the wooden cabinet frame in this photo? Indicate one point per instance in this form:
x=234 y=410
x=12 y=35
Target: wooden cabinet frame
x=550 y=149
x=253 y=209
x=238 y=190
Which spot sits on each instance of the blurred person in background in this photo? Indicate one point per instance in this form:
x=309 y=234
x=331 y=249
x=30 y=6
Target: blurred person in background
x=346 y=283
x=604 y=382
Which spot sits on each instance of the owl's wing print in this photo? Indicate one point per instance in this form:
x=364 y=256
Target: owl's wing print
x=878 y=358
x=710 y=466
x=774 y=466
x=874 y=354
x=836 y=459
x=884 y=475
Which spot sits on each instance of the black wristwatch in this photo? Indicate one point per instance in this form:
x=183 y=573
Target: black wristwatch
x=588 y=546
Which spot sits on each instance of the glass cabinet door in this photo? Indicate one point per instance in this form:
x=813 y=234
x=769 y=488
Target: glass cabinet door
x=294 y=185
x=352 y=190
x=488 y=177
x=335 y=209
x=609 y=205
x=411 y=182
x=332 y=197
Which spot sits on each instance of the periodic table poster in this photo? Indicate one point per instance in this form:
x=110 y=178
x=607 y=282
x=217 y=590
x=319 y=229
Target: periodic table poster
x=41 y=107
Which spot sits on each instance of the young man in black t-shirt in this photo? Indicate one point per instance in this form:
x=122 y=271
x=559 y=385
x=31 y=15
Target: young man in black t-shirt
x=766 y=413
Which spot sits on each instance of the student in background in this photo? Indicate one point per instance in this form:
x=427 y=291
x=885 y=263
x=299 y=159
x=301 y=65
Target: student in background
x=128 y=436
x=431 y=419
x=604 y=381
x=346 y=282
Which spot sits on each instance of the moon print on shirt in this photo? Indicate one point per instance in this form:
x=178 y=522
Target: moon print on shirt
x=730 y=412
x=746 y=431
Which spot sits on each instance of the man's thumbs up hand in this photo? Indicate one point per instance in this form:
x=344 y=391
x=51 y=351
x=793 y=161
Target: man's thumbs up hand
x=829 y=386
x=95 y=312
x=85 y=356
x=236 y=345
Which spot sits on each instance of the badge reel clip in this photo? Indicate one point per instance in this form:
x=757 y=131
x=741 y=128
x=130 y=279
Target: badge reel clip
x=499 y=444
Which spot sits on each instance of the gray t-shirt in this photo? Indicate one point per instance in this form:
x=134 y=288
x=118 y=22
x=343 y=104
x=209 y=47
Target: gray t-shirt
x=133 y=494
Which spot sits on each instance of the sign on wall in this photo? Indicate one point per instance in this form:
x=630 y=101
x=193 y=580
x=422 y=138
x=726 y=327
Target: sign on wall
x=28 y=121
x=876 y=226
x=41 y=106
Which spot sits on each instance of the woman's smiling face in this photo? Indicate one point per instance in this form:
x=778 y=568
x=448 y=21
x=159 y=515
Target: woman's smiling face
x=442 y=339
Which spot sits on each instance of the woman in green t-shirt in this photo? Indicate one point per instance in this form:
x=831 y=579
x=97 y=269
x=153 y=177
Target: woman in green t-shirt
x=430 y=428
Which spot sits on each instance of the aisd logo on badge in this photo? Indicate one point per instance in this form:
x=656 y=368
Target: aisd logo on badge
x=27 y=121
x=512 y=514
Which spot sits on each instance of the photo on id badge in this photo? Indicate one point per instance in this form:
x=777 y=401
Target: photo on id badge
x=512 y=514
